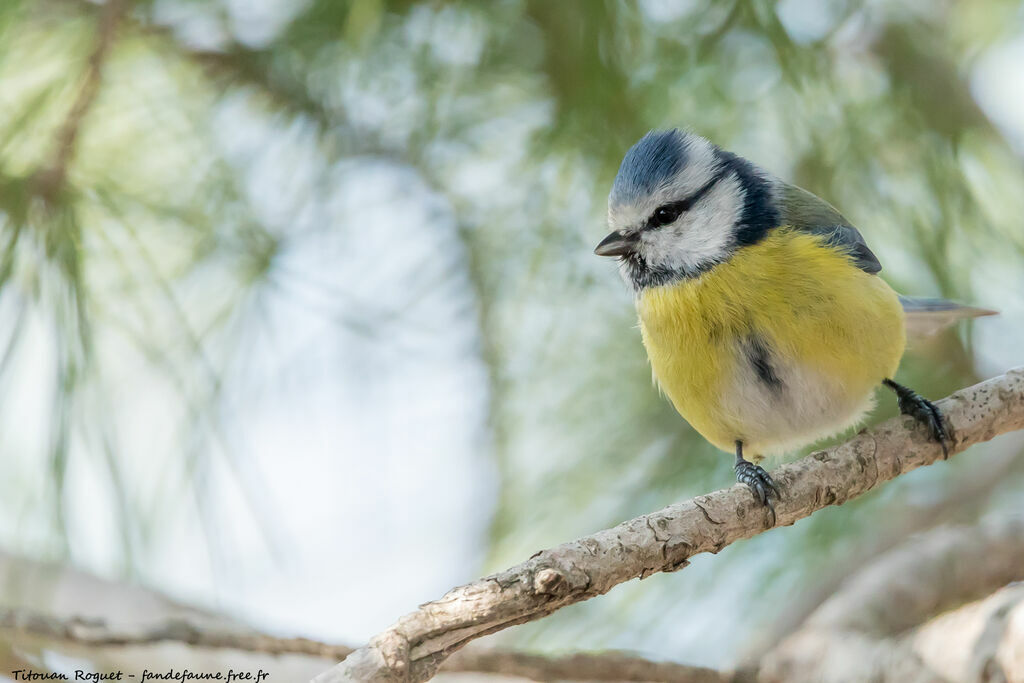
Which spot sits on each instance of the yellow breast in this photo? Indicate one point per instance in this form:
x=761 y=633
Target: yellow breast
x=830 y=329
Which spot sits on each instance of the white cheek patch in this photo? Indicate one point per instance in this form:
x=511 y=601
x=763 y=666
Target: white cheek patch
x=627 y=217
x=703 y=236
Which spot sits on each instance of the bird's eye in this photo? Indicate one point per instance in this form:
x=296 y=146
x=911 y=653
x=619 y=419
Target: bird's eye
x=664 y=215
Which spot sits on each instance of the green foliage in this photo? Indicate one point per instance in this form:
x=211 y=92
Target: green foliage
x=516 y=115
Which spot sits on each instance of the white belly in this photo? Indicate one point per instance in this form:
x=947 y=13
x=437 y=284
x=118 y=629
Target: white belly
x=806 y=406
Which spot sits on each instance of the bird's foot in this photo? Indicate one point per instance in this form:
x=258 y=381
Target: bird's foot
x=924 y=411
x=760 y=483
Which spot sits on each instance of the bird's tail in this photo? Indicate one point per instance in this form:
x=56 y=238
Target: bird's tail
x=925 y=317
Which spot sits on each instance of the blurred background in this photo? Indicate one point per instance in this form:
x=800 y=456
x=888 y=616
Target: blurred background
x=300 y=321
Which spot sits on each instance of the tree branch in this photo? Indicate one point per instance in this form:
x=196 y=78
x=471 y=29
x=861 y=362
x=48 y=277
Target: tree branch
x=982 y=641
x=860 y=632
x=415 y=646
x=969 y=495
x=597 y=666
x=99 y=633
x=50 y=180
x=582 y=666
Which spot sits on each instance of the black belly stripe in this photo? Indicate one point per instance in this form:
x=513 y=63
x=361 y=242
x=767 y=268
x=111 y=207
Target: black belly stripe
x=759 y=357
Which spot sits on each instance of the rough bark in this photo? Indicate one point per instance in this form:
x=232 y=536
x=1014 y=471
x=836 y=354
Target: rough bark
x=415 y=646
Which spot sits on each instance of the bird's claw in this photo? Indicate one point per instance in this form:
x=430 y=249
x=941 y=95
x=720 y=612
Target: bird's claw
x=925 y=412
x=760 y=483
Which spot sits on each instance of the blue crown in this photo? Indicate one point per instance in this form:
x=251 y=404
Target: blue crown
x=648 y=164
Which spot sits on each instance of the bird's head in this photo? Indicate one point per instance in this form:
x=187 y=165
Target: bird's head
x=680 y=205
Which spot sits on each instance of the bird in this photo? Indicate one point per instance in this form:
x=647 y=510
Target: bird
x=761 y=308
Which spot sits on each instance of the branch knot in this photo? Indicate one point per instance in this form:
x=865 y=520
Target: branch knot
x=550 y=581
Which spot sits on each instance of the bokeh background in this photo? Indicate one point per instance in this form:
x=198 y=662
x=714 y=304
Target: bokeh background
x=299 y=319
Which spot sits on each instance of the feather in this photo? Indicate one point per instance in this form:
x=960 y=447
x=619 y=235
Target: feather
x=925 y=317
x=806 y=212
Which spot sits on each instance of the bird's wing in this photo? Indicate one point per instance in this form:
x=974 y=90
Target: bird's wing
x=804 y=211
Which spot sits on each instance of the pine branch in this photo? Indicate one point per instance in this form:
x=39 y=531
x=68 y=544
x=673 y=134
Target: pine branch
x=50 y=180
x=414 y=647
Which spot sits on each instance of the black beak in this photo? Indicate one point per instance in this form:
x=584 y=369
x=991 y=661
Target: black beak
x=617 y=244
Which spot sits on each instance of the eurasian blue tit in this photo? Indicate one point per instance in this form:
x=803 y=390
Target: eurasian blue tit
x=760 y=306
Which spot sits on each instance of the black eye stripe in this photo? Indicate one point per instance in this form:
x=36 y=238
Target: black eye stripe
x=671 y=211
